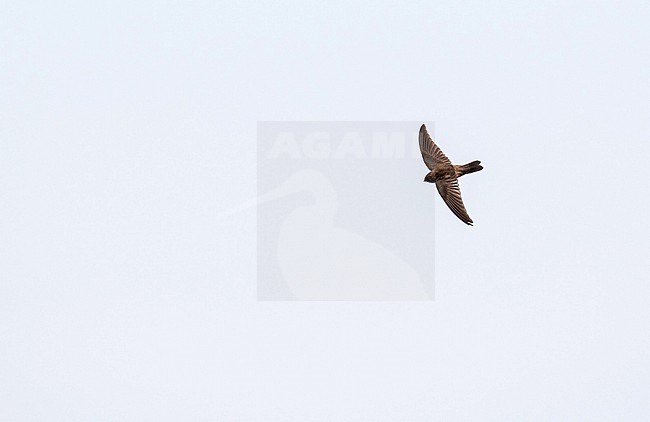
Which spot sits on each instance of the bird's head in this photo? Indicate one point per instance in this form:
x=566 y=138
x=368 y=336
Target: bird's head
x=429 y=178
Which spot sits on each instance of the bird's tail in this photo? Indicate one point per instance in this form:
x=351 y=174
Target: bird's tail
x=468 y=168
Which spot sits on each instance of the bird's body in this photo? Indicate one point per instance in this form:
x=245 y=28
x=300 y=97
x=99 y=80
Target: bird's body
x=445 y=174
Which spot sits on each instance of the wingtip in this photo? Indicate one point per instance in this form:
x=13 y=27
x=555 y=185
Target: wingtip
x=423 y=127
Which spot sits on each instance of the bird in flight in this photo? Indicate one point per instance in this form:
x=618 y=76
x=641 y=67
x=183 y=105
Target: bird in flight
x=445 y=174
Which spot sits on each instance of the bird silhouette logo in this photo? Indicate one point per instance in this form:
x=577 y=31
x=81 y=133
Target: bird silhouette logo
x=445 y=175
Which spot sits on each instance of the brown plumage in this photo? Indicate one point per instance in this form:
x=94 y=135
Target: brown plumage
x=445 y=174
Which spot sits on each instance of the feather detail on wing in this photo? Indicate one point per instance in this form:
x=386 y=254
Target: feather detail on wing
x=431 y=154
x=450 y=192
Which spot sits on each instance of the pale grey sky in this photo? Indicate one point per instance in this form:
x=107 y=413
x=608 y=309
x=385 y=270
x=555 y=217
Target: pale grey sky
x=126 y=128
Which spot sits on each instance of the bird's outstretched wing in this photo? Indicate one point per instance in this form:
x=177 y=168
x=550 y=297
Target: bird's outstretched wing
x=450 y=192
x=431 y=154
